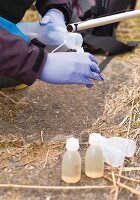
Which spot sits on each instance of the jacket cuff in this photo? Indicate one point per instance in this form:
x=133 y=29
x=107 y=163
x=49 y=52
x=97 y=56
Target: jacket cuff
x=63 y=5
x=32 y=75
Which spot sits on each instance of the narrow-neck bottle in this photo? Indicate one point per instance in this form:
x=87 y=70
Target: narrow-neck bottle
x=112 y=154
x=71 y=162
x=94 y=160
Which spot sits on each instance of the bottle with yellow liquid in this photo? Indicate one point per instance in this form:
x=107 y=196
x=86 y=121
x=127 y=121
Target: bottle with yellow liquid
x=71 y=163
x=94 y=160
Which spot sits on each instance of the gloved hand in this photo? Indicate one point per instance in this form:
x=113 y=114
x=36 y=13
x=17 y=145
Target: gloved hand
x=48 y=34
x=54 y=16
x=55 y=30
x=71 y=68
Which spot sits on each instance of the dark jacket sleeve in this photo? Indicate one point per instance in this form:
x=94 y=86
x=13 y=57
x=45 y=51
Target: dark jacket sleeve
x=14 y=10
x=18 y=59
x=64 y=6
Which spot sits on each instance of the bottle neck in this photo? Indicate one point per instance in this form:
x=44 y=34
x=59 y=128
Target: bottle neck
x=72 y=150
x=94 y=144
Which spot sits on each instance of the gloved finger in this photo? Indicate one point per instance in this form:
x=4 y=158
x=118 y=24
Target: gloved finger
x=89 y=83
x=45 y=20
x=92 y=58
x=95 y=76
x=94 y=68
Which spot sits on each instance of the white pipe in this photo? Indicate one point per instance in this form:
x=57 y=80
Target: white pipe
x=80 y=26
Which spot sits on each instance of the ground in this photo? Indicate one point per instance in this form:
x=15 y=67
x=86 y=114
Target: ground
x=35 y=123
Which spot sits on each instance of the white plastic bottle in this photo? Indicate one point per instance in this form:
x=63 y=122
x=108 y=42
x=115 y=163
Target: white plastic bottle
x=94 y=160
x=69 y=40
x=74 y=41
x=71 y=163
x=112 y=155
x=127 y=146
x=31 y=29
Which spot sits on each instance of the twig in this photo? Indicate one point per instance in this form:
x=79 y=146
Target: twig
x=138 y=151
x=2 y=94
x=113 y=177
x=124 y=120
x=46 y=159
x=42 y=140
x=118 y=181
x=128 y=169
x=9 y=152
x=131 y=115
x=114 y=180
x=28 y=162
x=55 y=187
x=127 y=178
x=121 y=187
x=132 y=190
x=136 y=135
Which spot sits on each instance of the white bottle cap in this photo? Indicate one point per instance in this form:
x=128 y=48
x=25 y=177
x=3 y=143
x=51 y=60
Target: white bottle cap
x=73 y=40
x=94 y=137
x=72 y=144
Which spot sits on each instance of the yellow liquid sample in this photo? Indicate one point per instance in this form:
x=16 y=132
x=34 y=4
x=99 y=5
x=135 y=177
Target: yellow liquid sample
x=71 y=167
x=94 y=162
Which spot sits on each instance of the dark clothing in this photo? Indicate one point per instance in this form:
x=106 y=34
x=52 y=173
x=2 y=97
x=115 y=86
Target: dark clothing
x=17 y=57
x=14 y=10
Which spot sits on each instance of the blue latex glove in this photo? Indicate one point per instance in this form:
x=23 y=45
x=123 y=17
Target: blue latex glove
x=54 y=16
x=48 y=34
x=55 y=30
x=71 y=68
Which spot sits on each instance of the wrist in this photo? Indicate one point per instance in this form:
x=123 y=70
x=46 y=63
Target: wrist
x=55 y=10
x=55 y=14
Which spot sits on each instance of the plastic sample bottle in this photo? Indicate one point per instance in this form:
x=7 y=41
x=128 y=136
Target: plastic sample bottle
x=74 y=41
x=31 y=29
x=69 y=40
x=94 y=160
x=112 y=155
x=71 y=163
x=128 y=146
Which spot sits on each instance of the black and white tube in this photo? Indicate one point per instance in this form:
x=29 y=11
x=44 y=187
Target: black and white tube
x=81 y=26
